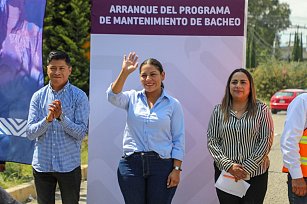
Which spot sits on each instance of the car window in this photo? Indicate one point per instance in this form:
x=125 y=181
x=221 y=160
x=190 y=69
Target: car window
x=298 y=93
x=284 y=93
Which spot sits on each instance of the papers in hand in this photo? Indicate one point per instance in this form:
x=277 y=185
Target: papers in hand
x=226 y=182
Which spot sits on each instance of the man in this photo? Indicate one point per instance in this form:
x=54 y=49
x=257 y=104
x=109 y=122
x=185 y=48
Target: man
x=294 y=149
x=58 y=121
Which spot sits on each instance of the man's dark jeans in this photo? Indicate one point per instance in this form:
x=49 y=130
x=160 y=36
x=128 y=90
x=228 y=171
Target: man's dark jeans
x=69 y=184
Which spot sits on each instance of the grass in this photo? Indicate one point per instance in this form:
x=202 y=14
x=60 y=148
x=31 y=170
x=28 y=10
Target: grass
x=84 y=151
x=16 y=173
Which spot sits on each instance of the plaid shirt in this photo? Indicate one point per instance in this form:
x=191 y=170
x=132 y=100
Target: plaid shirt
x=58 y=143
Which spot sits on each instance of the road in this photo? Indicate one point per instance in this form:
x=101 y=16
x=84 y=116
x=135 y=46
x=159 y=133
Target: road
x=277 y=188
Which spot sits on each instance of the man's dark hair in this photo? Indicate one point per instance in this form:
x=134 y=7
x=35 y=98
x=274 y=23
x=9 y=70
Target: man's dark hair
x=58 y=55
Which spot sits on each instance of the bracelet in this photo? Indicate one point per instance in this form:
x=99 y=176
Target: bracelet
x=178 y=168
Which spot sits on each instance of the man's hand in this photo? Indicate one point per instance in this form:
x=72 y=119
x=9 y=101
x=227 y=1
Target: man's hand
x=299 y=187
x=55 y=110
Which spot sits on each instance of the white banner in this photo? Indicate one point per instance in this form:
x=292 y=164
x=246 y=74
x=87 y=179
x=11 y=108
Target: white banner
x=197 y=68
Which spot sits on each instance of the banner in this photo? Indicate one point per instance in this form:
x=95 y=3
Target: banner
x=199 y=43
x=21 y=73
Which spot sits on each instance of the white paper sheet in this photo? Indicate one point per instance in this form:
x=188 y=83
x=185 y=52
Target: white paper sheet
x=226 y=182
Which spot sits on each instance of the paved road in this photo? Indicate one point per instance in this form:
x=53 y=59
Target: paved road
x=277 y=187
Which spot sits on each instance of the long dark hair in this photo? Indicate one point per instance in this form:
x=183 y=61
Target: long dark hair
x=155 y=63
x=227 y=99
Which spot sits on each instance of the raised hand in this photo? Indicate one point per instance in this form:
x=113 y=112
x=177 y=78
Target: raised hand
x=130 y=63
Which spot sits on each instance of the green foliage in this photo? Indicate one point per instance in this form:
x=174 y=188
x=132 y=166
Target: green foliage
x=297 y=52
x=67 y=28
x=265 y=19
x=274 y=75
x=15 y=174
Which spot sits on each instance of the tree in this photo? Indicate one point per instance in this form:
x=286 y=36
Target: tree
x=266 y=18
x=297 y=52
x=67 y=28
x=274 y=75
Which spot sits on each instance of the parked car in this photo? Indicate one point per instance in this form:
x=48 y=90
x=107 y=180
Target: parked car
x=281 y=99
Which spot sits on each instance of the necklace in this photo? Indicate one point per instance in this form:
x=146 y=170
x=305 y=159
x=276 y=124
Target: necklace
x=239 y=110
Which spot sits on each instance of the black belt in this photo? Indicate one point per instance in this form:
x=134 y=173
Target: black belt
x=150 y=153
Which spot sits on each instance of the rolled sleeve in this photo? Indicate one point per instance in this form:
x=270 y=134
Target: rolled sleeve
x=120 y=100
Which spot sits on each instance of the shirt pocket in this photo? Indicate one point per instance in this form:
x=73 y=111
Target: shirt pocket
x=68 y=111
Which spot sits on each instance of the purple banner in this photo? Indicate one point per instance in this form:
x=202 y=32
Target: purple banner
x=21 y=23
x=194 y=17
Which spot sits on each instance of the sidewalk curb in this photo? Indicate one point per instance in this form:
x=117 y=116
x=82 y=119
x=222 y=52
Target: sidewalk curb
x=23 y=191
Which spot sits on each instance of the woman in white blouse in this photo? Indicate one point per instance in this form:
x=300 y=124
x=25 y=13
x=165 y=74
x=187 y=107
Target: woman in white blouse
x=240 y=136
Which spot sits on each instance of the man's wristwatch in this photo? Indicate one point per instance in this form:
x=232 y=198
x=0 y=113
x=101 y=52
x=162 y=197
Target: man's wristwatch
x=178 y=168
x=60 y=118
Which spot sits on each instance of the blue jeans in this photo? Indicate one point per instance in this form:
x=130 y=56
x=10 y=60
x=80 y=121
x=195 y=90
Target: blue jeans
x=69 y=183
x=294 y=199
x=142 y=178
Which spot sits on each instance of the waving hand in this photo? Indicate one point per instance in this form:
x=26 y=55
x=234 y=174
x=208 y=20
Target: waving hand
x=130 y=64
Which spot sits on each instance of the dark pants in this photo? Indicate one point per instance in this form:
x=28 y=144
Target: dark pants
x=294 y=199
x=143 y=177
x=6 y=198
x=254 y=195
x=69 y=184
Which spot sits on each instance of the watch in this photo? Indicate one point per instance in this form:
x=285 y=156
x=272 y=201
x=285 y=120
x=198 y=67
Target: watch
x=178 y=168
x=61 y=117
